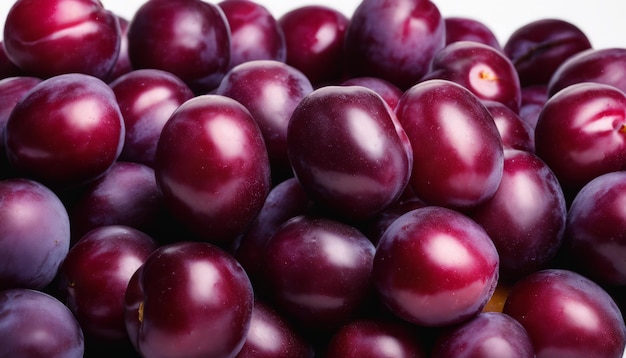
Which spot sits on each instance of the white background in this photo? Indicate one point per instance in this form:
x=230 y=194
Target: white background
x=604 y=21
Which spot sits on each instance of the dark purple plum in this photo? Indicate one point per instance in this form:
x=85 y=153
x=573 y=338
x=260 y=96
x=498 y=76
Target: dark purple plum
x=480 y=68
x=147 y=98
x=94 y=277
x=581 y=133
x=213 y=168
x=66 y=131
x=539 y=47
x=387 y=90
x=490 y=334
x=34 y=234
x=435 y=267
x=394 y=40
x=272 y=336
x=55 y=37
x=34 y=324
x=460 y=28
x=348 y=151
x=533 y=100
x=12 y=89
x=375 y=228
x=375 y=338
x=126 y=195
x=604 y=65
x=270 y=90
x=189 y=38
x=8 y=68
x=457 y=149
x=317 y=271
x=189 y=299
x=122 y=65
x=514 y=131
x=285 y=201
x=596 y=227
x=526 y=217
x=567 y=315
x=255 y=32
x=314 y=38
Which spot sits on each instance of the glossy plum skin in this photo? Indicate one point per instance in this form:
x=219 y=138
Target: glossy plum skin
x=539 y=47
x=94 y=277
x=88 y=131
x=285 y=201
x=272 y=336
x=533 y=100
x=485 y=71
x=189 y=38
x=189 y=299
x=147 y=98
x=387 y=90
x=459 y=28
x=490 y=334
x=588 y=320
x=12 y=89
x=212 y=167
x=348 y=151
x=34 y=235
x=514 y=131
x=595 y=229
x=381 y=41
x=317 y=271
x=449 y=169
x=375 y=338
x=593 y=65
x=122 y=64
x=34 y=324
x=8 y=68
x=435 y=267
x=255 y=32
x=270 y=90
x=37 y=36
x=581 y=133
x=526 y=217
x=126 y=195
x=314 y=37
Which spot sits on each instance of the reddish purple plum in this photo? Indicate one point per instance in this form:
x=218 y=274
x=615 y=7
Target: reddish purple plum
x=348 y=151
x=490 y=334
x=317 y=271
x=394 y=40
x=515 y=132
x=539 y=47
x=255 y=32
x=314 y=38
x=94 y=277
x=56 y=37
x=596 y=227
x=460 y=28
x=581 y=133
x=435 y=267
x=457 y=149
x=526 y=217
x=66 y=131
x=567 y=315
x=270 y=90
x=147 y=98
x=189 y=38
x=189 y=299
x=480 y=68
x=387 y=90
x=213 y=168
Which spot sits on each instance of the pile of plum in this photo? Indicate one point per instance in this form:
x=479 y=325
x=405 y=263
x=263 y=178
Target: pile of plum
x=208 y=180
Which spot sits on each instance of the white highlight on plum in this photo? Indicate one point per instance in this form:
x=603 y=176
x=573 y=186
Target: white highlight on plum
x=461 y=134
x=84 y=113
x=205 y=277
x=337 y=251
x=365 y=132
x=227 y=136
x=580 y=314
x=447 y=251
